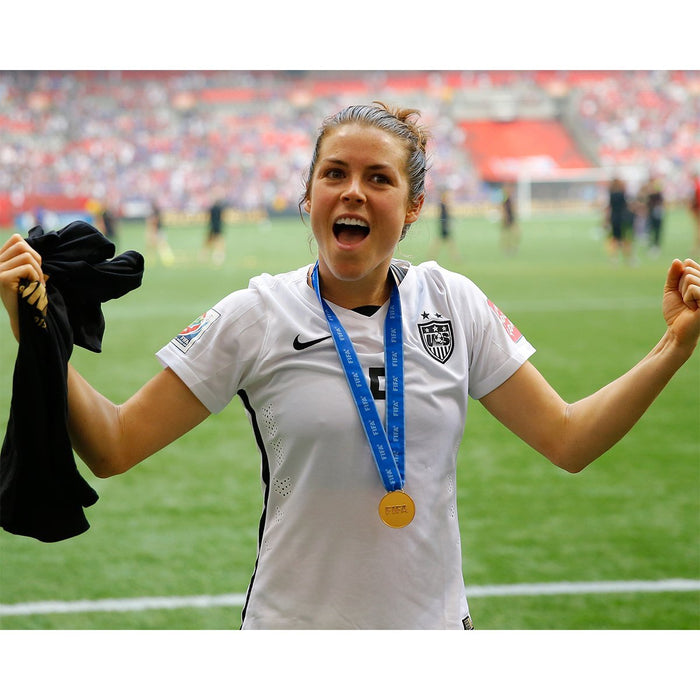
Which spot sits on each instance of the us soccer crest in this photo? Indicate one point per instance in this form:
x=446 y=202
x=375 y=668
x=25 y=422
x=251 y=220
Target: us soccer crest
x=437 y=338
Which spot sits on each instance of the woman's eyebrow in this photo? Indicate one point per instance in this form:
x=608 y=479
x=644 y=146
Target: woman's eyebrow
x=340 y=161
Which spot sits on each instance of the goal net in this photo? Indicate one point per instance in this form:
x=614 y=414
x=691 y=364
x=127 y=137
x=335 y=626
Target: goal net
x=575 y=190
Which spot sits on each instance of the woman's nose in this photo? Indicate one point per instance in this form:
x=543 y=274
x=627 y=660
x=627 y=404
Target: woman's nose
x=353 y=192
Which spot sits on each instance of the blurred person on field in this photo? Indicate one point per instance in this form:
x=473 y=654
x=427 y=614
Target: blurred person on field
x=640 y=217
x=695 y=212
x=214 y=243
x=445 y=229
x=619 y=220
x=355 y=370
x=655 y=213
x=107 y=222
x=157 y=245
x=510 y=229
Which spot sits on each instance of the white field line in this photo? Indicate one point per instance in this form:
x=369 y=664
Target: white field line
x=53 y=607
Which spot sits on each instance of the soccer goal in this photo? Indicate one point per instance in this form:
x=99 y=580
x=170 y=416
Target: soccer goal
x=572 y=190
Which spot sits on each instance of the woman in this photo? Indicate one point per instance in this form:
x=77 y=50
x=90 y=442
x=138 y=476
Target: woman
x=359 y=527
x=619 y=220
x=510 y=229
x=156 y=241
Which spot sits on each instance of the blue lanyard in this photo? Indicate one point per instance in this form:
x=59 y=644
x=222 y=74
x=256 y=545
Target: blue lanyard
x=388 y=446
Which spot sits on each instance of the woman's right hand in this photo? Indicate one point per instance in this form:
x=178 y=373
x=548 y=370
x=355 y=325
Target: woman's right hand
x=18 y=261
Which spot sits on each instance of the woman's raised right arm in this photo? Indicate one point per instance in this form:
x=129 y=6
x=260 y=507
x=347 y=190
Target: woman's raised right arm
x=18 y=261
x=110 y=438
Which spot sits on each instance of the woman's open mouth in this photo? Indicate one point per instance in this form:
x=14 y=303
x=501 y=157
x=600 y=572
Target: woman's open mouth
x=350 y=231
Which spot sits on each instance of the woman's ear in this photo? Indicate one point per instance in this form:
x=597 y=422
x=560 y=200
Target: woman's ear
x=307 y=205
x=414 y=210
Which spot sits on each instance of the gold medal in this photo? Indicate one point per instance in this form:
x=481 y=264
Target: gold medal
x=397 y=509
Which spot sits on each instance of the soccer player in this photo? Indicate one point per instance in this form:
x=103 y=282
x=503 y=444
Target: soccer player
x=510 y=229
x=619 y=221
x=695 y=211
x=355 y=371
x=445 y=230
x=156 y=241
x=655 y=213
x=214 y=244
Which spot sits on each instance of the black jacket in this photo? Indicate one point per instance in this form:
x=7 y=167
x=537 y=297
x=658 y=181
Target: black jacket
x=42 y=494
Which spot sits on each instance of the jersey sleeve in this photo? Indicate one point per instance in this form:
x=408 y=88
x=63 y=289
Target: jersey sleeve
x=497 y=349
x=218 y=351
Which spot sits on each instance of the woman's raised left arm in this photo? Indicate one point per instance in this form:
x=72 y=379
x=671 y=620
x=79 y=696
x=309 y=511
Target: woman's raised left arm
x=572 y=435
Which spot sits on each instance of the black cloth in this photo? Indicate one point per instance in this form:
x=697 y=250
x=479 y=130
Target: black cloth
x=42 y=493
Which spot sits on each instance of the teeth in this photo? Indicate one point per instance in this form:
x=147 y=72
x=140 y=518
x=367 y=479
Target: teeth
x=347 y=221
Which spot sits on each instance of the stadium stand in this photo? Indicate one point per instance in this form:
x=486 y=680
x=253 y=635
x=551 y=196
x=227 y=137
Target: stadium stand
x=501 y=150
x=124 y=138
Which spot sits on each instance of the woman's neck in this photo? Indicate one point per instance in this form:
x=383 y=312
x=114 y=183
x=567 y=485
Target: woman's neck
x=373 y=290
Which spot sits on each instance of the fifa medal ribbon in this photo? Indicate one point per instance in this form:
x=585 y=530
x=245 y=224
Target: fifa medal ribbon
x=388 y=446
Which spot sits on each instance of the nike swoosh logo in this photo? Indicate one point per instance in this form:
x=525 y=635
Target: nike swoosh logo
x=299 y=345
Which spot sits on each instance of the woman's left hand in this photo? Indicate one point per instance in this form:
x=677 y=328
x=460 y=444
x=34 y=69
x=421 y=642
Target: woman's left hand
x=681 y=303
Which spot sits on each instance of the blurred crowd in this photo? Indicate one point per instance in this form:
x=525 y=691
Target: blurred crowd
x=131 y=138
x=648 y=119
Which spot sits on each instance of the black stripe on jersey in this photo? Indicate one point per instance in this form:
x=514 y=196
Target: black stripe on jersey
x=398 y=272
x=266 y=481
x=366 y=310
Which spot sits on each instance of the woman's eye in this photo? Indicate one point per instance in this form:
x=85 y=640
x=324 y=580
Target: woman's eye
x=334 y=173
x=381 y=179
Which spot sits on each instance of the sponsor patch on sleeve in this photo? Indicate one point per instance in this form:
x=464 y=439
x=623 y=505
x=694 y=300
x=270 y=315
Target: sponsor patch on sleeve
x=188 y=336
x=514 y=334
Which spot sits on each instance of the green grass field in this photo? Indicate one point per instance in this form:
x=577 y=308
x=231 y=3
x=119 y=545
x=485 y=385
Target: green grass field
x=184 y=523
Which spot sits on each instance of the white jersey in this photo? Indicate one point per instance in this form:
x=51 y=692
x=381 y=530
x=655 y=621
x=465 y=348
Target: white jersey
x=325 y=559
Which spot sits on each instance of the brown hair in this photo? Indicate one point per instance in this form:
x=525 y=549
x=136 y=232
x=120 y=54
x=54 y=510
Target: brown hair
x=402 y=123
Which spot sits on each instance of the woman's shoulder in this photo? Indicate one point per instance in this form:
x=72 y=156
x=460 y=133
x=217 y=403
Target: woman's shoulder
x=432 y=273
x=265 y=294
x=274 y=281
